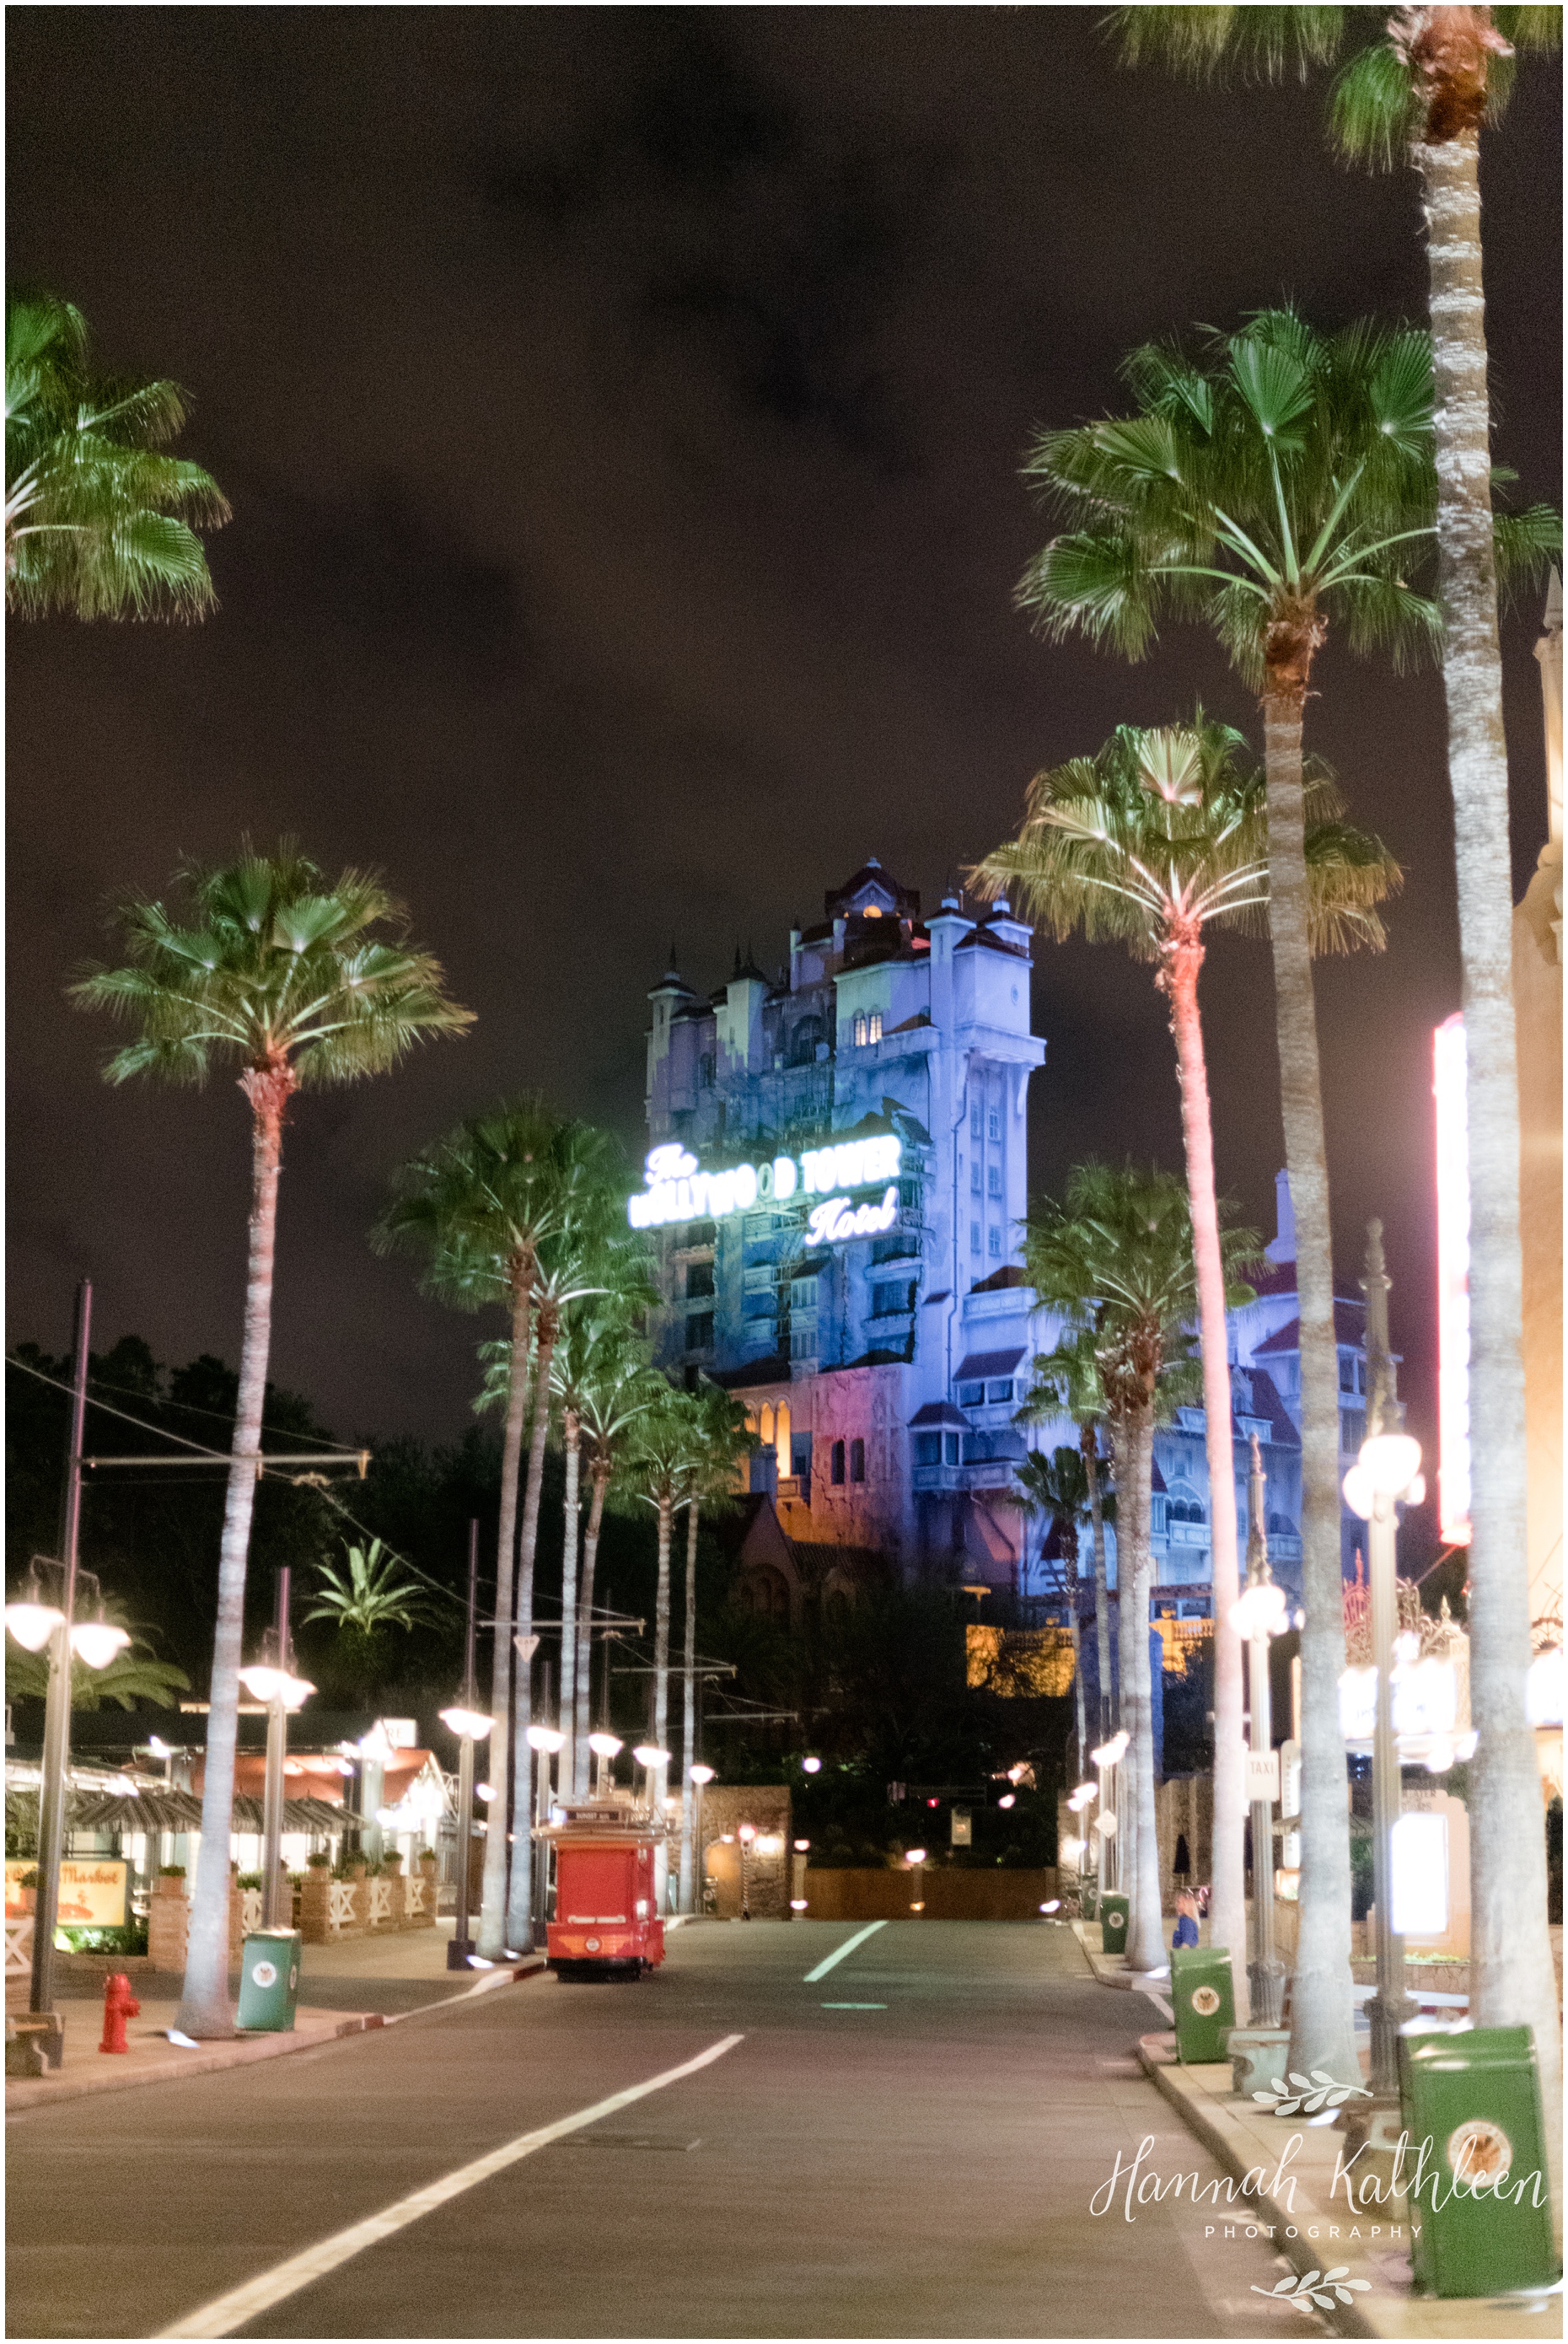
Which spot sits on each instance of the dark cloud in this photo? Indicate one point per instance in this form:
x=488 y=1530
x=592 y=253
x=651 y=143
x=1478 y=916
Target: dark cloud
x=622 y=410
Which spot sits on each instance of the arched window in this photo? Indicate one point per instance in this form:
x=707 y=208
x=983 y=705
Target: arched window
x=857 y=1460
x=860 y=1030
x=767 y=1591
x=781 y=1440
x=1184 y=1505
x=765 y=1426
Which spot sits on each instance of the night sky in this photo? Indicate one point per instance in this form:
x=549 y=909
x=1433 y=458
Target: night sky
x=622 y=413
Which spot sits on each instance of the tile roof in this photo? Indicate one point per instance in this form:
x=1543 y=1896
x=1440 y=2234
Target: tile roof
x=941 y=1411
x=1350 y=1326
x=1011 y=1274
x=988 y=1363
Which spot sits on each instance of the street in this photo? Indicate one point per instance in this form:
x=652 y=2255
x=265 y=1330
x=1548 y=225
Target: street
x=907 y=2144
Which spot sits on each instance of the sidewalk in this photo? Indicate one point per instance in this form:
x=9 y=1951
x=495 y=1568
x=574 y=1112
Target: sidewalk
x=348 y=1989
x=1244 y=2137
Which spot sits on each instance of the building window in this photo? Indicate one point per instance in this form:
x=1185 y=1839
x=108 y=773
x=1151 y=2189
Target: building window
x=875 y=1022
x=803 y=1294
x=927 y=1448
x=804 y=1343
x=993 y=1181
x=835 y=1464
x=891 y=1301
x=949 y=1449
x=974 y=1176
x=698 y=1278
x=857 y=1460
x=707 y=1066
x=1360 y=1376
x=699 y=1233
x=999 y=1390
x=1184 y=1505
x=1347 y=1372
x=860 y=1030
x=993 y=1124
x=974 y=1236
x=801 y=1457
x=971 y=1395
x=994 y=1246
x=1353 y=1428
x=699 y=1331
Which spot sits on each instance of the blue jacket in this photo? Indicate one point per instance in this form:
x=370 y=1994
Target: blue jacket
x=1186 y=1931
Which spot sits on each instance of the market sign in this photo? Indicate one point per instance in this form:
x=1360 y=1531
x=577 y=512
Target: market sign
x=677 y=1189
x=92 y=1892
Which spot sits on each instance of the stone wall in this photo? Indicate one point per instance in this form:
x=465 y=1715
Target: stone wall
x=766 y=1807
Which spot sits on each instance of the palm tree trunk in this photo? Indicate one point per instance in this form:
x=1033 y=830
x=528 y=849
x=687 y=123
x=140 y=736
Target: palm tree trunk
x=1079 y=1720
x=492 y=1937
x=1321 y=2011
x=659 y=1776
x=1141 y=1877
x=1227 y=1896
x=688 y=1719
x=1512 y=1977
x=1123 y=1450
x=204 y=2009
x=520 y=1891
x=600 y=1472
x=1088 y=1442
x=571 y=1526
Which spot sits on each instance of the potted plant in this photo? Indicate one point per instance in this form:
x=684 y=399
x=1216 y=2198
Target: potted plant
x=28 y=1885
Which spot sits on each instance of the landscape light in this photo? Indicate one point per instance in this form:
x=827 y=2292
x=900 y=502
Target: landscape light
x=1054 y=1906
x=32 y=1623
x=159 y=1749
x=95 y=1641
x=801 y=1845
x=914 y=1855
x=467 y=1724
x=810 y=1766
x=798 y=1903
x=1008 y=1800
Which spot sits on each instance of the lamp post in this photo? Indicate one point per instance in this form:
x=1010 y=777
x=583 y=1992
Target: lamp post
x=605 y=1747
x=1388 y=1468
x=273 y=1682
x=1259 y=1613
x=745 y=1833
x=701 y=1776
x=1107 y=1760
x=470 y=1724
x=915 y=1857
x=650 y=1759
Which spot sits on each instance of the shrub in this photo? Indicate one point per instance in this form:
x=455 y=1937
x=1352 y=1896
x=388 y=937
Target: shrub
x=132 y=1940
x=29 y=1879
x=251 y=1880
x=171 y=1871
x=320 y=1861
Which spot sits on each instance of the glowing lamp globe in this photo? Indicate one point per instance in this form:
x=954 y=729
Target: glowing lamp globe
x=95 y=1641
x=1009 y=1800
x=32 y=1624
x=1391 y=1462
x=801 y=1845
x=605 y=1745
x=747 y=1833
x=1260 y=1612
x=646 y=1754
x=702 y=1774
x=468 y=1724
x=810 y=1766
x=545 y=1737
x=295 y=1691
x=914 y=1855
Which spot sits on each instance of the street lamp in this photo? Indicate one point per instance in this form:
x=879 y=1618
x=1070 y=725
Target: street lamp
x=605 y=1746
x=915 y=1857
x=1387 y=1469
x=274 y=1684
x=1262 y=1611
x=649 y=1756
x=1107 y=1760
x=745 y=1833
x=469 y=1725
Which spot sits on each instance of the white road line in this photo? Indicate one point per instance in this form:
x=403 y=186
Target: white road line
x=848 y=1946
x=228 y=2312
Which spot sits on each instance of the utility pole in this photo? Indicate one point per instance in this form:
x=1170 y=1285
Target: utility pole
x=54 y=1788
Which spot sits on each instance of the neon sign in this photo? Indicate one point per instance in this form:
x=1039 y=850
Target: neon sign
x=1448 y=1084
x=678 y=1189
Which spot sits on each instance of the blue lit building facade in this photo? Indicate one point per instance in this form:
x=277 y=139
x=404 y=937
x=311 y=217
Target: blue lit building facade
x=837 y=1171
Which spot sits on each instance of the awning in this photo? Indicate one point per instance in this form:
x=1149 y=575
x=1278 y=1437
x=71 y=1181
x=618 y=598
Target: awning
x=178 y=1811
x=978 y=1365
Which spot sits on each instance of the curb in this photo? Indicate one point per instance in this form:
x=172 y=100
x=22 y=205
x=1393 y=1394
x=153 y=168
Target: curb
x=28 y=2095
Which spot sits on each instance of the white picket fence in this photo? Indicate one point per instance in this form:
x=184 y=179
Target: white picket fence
x=340 y=1905
x=251 y=1906
x=19 y=1949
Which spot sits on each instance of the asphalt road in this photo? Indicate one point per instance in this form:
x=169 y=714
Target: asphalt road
x=907 y=2146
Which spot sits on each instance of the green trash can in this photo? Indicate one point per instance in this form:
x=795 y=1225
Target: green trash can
x=1089 y=1900
x=1473 y=2100
x=1203 y=1997
x=269 y=1980
x=1113 y=1911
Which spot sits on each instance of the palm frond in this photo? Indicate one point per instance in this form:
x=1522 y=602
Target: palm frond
x=1263 y=43
x=1373 y=110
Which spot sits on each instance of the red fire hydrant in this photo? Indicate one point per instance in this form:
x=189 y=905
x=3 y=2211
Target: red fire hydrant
x=119 y=2004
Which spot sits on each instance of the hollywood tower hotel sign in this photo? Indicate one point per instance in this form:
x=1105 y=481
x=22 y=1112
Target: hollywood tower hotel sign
x=836 y=1171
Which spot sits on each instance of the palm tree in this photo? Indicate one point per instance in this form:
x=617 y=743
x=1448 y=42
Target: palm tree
x=1057 y=1487
x=268 y=964
x=1116 y=1257
x=478 y=1205
x=1154 y=839
x=373 y=1596
x=616 y=1389
x=1067 y=1381
x=721 y=1442
x=1278 y=482
x=98 y=517
x=1425 y=82
x=661 y=1454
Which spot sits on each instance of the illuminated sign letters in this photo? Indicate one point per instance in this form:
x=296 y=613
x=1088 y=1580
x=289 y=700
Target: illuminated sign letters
x=678 y=1191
